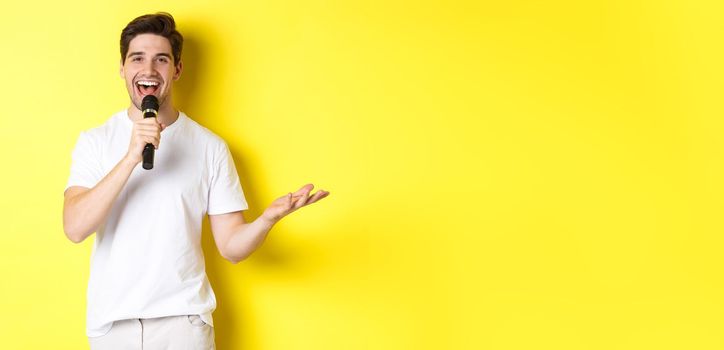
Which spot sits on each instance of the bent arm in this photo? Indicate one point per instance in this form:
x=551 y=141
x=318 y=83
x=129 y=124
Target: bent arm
x=85 y=209
x=236 y=239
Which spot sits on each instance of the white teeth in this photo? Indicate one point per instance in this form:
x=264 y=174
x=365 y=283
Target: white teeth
x=147 y=83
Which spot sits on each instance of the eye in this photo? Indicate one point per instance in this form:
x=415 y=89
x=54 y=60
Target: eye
x=136 y=59
x=163 y=59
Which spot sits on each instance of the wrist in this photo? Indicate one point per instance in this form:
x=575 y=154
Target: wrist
x=129 y=160
x=268 y=221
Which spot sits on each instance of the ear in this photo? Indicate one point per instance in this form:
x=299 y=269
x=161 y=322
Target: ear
x=179 y=68
x=120 y=69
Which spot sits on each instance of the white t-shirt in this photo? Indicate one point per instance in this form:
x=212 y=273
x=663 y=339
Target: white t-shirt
x=147 y=259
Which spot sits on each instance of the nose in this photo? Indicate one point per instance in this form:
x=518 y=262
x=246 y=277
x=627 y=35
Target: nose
x=149 y=67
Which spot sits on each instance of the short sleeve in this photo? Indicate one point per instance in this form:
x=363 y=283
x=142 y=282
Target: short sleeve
x=85 y=169
x=225 y=193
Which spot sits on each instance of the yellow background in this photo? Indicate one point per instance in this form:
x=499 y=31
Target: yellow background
x=503 y=174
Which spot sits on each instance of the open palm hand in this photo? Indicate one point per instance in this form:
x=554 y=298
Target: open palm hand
x=290 y=202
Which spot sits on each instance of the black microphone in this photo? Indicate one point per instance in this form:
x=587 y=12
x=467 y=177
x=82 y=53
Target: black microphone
x=149 y=108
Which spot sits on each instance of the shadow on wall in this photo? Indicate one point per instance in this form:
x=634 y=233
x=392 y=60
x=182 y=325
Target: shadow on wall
x=230 y=329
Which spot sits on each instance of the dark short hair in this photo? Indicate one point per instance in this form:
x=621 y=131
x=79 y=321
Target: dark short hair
x=160 y=23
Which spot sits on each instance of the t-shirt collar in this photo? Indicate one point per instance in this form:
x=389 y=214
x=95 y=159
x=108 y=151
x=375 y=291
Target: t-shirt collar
x=169 y=129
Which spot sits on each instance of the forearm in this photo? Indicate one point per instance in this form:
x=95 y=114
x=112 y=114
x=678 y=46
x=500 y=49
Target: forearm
x=246 y=239
x=83 y=213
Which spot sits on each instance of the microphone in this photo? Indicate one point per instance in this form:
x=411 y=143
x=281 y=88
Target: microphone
x=149 y=108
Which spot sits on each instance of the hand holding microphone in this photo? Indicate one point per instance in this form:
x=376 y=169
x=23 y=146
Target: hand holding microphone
x=149 y=108
x=146 y=134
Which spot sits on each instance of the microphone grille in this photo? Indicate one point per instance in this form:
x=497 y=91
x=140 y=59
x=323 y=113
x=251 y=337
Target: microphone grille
x=149 y=102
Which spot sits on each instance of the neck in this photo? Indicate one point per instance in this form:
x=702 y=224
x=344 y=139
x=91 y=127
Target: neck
x=167 y=113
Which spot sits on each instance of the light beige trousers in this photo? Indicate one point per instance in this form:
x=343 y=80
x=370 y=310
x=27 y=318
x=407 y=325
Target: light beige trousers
x=187 y=332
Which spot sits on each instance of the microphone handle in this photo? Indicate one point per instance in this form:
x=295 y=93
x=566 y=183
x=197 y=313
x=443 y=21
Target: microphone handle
x=148 y=153
x=149 y=150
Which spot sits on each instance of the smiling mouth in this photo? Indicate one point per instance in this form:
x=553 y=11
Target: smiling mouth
x=147 y=87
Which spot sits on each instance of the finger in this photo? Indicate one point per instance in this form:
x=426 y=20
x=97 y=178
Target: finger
x=306 y=188
x=147 y=133
x=303 y=199
x=147 y=121
x=148 y=128
x=152 y=140
x=288 y=202
x=284 y=199
x=299 y=194
x=317 y=196
x=146 y=124
x=154 y=137
x=147 y=137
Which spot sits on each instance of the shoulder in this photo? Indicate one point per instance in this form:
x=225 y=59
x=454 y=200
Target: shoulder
x=203 y=135
x=104 y=131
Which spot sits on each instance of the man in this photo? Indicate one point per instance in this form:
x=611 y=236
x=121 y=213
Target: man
x=148 y=286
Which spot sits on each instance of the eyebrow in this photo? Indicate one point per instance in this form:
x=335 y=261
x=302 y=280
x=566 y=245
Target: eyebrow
x=141 y=53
